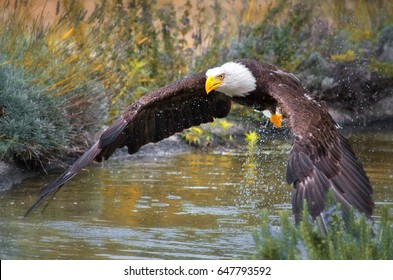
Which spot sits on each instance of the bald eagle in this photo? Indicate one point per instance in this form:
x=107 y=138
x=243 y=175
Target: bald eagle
x=320 y=159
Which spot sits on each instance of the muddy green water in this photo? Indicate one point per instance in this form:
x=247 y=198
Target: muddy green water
x=185 y=206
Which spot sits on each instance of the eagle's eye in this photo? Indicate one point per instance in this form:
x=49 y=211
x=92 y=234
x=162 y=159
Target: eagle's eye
x=221 y=77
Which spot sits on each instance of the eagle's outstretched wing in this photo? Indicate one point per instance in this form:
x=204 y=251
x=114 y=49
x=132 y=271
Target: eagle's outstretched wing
x=155 y=116
x=320 y=158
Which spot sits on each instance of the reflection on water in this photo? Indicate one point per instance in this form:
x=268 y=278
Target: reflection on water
x=187 y=206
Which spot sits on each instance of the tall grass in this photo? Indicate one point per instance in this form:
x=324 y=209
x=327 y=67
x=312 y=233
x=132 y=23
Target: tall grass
x=63 y=76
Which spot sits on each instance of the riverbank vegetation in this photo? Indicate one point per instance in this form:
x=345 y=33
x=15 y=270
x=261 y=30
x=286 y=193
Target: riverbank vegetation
x=356 y=239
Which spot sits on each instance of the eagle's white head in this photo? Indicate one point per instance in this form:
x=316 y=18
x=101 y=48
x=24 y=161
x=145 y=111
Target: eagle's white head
x=232 y=79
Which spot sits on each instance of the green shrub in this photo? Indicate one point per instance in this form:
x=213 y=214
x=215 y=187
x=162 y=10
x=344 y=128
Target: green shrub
x=355 y=239
x=32 y=124
x=279 y=37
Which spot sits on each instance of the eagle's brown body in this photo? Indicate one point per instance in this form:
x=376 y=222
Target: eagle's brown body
x=320 y=159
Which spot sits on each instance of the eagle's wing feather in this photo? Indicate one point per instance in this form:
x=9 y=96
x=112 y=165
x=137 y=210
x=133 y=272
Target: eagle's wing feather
x=320 y=158
x=152 y=118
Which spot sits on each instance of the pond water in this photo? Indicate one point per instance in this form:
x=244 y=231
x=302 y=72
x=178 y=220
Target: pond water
x=186 y=206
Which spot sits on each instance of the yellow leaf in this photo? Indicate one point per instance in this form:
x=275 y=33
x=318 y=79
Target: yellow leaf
x=250 y=9
x=50 y=42
x=252 y=137
x=68 y=33
x=225 y=124
x=142 y=40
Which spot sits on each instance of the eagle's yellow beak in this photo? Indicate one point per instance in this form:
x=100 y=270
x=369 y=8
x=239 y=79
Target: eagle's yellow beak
x=212 y=83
